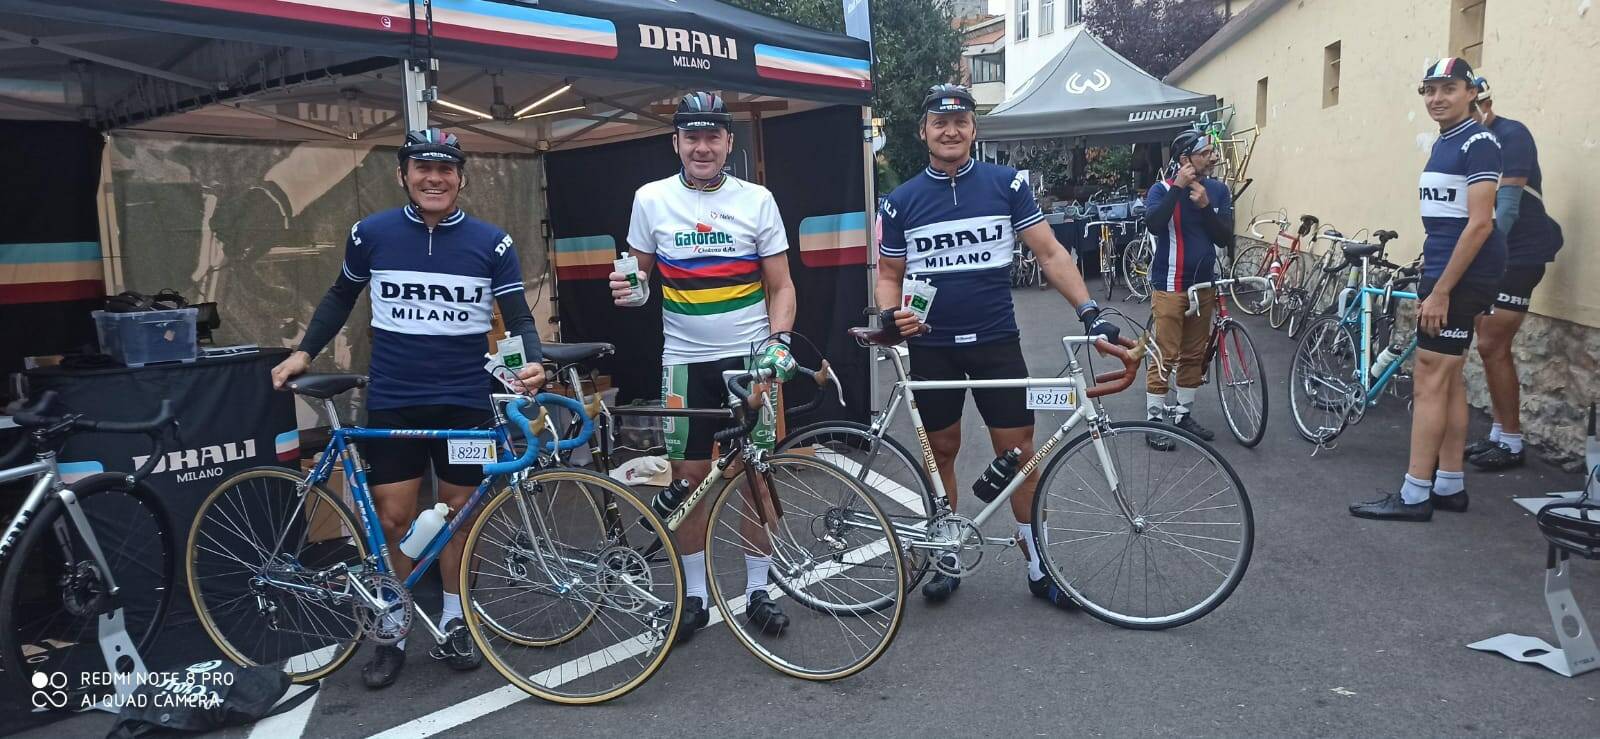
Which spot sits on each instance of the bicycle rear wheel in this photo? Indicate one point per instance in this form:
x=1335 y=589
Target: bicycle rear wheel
x=54 y=594
x=1324 y=380
x=896 y=480
x=269 y=564
x=567 y=605
x=1108 y=266
x=1156 y=539
x=1241 y=384
x=831 y=552
x=1251 y=262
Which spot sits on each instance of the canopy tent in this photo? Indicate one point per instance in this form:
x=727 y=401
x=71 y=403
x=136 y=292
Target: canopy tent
x=1089 y=91
x=513 y=77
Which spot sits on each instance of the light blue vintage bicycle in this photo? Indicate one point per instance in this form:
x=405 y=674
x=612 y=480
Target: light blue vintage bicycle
x=559 y=599
x=1345 y=361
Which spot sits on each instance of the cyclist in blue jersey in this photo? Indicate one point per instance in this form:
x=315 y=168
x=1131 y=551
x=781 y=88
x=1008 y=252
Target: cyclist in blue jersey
x=1463 y=261
x=1532 y=240
x=955 y=224
x=436 y=275
x=1191 y=216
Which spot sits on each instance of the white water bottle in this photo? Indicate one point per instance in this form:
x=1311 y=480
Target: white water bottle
x=423 y=530
x=1384 y=359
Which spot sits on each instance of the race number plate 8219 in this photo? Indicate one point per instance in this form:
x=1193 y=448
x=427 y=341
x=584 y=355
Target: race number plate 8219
x=1052 y=398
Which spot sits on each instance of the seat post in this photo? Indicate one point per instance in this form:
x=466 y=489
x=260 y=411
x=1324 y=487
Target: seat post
x=333 y=414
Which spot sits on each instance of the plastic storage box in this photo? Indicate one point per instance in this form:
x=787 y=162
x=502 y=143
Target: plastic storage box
x=138 y=339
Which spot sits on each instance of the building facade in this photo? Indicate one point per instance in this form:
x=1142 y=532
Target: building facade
x=1033 y=35
x=1332 y=87
x=983 y=59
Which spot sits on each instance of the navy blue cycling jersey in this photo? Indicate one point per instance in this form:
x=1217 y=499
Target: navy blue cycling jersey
x=1466 y=154
x=959 y=234
x=432 y=304
x=1186 y=248
x=1535 y=237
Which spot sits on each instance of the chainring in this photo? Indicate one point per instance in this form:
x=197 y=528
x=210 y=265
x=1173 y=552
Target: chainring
x=961 y=531
x=620 y=570
x=389 y=589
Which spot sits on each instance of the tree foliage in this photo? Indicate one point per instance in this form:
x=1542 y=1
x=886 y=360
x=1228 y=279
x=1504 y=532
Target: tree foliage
x=1157 y=35
x=915 y=48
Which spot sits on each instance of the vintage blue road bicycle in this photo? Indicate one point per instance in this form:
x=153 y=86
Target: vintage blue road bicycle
x=284 y=571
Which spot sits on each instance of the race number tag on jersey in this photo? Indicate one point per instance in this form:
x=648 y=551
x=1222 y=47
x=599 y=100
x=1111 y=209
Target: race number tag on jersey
x=1052 y=398
x=472 y=451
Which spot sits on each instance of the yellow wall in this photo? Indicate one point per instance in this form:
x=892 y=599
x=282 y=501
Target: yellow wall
x=1355 y=165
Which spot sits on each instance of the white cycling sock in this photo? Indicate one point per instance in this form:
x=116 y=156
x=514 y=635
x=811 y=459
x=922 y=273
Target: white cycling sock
x=1448 y=483
x=1512 y=442
x=694 y=576
x=1494 y=432
x=451 y=608
x=1035 y=560
x=1415 y=491
x=755 y=573
x=1185 y=401
x=1155 y=405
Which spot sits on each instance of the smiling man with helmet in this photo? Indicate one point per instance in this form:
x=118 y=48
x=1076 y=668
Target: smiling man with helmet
x=437 y=274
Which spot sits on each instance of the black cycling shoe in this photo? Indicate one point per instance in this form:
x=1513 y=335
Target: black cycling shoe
x=1187 y=423
x=1159 y=442
x=384 y=668
x=1496 y=458
x=695 y=618
x=1391 y=507
x=939 y=587
x=1046 y=588
x=1480 y=446
x=457 y=650
x=1456 y=503
x=764 y=614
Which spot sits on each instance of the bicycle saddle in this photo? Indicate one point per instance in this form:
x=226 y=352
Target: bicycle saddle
x=868 y=335
x=323 y=387
x=564 y=354
x=1358 y=252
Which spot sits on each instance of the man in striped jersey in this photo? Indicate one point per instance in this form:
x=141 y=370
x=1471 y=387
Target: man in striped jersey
x=721 y=249
x=1191 y=216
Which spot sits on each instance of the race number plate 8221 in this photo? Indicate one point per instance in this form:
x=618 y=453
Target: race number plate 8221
x=472 y=451
x=1052 y=398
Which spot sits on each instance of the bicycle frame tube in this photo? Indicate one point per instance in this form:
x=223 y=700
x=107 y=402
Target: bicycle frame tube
x=46 y=476
x=905 y=390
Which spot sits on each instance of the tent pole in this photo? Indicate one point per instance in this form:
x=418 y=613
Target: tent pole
x=869 y=182
x=414 y=75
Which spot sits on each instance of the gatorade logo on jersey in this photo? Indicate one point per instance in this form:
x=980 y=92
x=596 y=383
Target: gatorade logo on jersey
x=705 y=240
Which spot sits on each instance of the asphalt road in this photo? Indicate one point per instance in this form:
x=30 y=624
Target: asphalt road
x=1341 y=627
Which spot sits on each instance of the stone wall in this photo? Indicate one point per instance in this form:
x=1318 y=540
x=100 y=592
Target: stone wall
x=1559 y=365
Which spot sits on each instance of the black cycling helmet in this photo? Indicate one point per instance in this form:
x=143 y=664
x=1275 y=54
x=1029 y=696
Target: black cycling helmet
x=1450 y=68
x=432 y=145
x=948 y=98
x=702 y=110
x=1484 y=96
x=1189 y=142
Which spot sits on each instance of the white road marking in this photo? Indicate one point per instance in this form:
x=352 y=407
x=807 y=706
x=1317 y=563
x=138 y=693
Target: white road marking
x=289 y=723
x=450 y=717
x=876 y=481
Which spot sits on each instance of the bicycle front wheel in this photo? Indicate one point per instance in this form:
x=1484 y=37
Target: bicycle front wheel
x=896 y=480
x=1151 y=531
x=54 y=593
x=1251 y=262
x=1241 y=384
x=1324 y=380
x=269 y=564
x=1136 y=268
x=567 y=605
x=1108 y=267
x=826 y=546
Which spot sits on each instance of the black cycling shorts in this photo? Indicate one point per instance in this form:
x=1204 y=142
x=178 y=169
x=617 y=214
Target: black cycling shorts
x=700 y=385
x=1467 y=302
x=396 y=460
x=1517 y=287
x=1001 y=408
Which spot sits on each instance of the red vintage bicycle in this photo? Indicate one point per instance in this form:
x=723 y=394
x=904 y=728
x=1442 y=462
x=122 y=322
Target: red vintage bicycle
x=1282 y=260
x=1231 y=356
